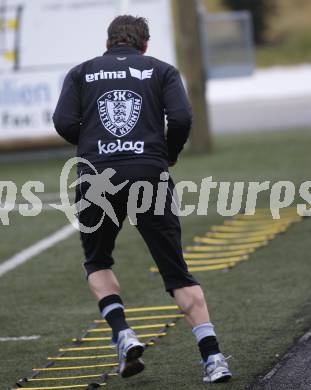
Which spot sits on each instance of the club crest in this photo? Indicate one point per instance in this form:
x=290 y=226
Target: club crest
x=119 y=111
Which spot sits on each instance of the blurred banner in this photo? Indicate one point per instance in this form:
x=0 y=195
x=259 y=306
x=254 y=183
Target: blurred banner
x=40 y=40
x=27 y=101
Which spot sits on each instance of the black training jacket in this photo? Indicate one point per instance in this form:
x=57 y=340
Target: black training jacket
x=114 y=107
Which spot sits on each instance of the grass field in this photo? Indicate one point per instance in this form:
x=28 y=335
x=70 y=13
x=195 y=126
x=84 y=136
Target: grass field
x=259 y=307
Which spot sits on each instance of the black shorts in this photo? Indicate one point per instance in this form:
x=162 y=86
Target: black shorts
x=161 y=233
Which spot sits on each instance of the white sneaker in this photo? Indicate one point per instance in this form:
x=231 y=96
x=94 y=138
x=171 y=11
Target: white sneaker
x=129 y=350
x=216 y=369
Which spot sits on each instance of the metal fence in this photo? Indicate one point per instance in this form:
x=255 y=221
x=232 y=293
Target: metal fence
x=228 y=45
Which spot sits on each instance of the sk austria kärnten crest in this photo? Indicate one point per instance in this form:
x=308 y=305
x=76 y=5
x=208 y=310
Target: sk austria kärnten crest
x=119 y=111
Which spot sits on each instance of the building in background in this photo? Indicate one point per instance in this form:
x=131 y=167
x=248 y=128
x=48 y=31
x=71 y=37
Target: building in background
x=40 y=40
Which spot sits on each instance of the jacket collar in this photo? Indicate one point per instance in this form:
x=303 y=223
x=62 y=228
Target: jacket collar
x=122 y=49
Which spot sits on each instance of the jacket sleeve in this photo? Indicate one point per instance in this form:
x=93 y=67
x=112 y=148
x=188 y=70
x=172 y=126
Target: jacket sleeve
x=67 y=117
x=178 y=113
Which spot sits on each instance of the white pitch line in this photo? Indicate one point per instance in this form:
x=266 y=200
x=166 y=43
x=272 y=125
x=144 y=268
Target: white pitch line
x=36 y=207
x=36 y=249
x=21 y=338
x=45 y=196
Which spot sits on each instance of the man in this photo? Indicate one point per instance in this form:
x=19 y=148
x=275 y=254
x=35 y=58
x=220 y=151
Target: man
x=113 y=107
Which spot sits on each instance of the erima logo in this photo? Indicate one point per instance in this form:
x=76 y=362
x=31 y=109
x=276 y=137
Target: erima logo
x=102 y=75
x=141 y=75
x=117 y=146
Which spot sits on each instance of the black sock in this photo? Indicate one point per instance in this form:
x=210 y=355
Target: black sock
x=208 y=346
x=114 y=317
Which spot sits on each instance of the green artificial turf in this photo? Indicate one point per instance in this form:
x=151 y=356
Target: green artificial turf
x=258 y=307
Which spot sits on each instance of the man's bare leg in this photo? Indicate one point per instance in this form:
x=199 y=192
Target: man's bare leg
x=104 y=283
x=190 y=299
x=193 y=304
x=106 y=289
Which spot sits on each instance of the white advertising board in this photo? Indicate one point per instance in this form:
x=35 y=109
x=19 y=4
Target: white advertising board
x=27 y=101
x=52 y=37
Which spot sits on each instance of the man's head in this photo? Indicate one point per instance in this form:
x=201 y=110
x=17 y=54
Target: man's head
x=127 y=29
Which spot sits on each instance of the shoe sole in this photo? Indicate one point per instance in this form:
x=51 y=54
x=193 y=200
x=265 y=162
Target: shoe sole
x=223 y=379
x=134 y=365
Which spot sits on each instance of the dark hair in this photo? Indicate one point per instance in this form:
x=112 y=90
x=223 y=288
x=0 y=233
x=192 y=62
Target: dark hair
x=130 y=30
